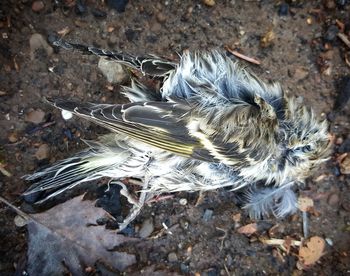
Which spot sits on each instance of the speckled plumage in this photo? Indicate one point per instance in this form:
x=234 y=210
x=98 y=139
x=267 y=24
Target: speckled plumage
x=212 y=125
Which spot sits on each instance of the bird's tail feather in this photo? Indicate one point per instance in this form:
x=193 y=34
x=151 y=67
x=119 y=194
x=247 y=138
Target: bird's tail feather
x=150 y=65
x=96 y=162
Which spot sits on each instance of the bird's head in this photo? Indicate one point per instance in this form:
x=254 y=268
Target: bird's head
x=303 y=141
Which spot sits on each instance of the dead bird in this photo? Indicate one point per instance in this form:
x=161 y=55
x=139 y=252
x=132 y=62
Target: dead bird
x=212 y=124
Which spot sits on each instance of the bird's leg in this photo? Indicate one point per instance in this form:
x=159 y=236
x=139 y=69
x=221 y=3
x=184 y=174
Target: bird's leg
x=125 y=192
x=137 y=203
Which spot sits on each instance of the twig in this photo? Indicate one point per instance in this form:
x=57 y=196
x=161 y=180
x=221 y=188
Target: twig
x=223 y=237
x=227 y=271
x=159 y=198
x=344 y=38
x=280 y=242
x=241 y=56
x=16 y=209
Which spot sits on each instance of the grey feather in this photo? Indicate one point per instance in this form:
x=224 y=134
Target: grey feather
x=261 y=202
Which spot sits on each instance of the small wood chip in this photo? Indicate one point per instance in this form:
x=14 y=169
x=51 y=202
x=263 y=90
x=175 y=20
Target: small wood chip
x=344 y=164
x=64 y=31
x=4 y=171
x=281 y=242
x=248 y=229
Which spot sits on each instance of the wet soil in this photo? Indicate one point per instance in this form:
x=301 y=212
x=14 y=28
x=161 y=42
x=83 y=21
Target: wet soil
x=305 y=56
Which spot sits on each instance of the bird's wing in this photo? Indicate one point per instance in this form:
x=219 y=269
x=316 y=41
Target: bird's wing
x=171 y=126
x=150 y=65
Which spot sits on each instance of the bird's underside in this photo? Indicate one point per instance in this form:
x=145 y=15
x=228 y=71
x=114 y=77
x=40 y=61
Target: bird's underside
x=211 y=125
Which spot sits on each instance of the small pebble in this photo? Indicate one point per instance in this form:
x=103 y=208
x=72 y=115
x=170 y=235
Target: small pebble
x=113 y=71
x=98 y=13
x=68 y=134
x=35 y=116
x=38 y=6
x=283 y=9
x=20 y=221
x=36 y=42
x=211 y=272
x=331 y=33
x=209 y=3
x=118 y=5
x=343 y=94
x=156 y=27
x=329 y=241
x=66 y=115
x=80 y=7
x=113 y=39
x=183 y=201
x=130 y=34
x=184 y=268
x=42 y=152
x=172 y=257
x=208 y=214
x=345 y=146
x=330 y=4
x=147 y=228
x=161 y=18
x=300 y=73
x=333 y=199
x=346 y=202
x=13 y=137
x=69 y=86
x=184 y=224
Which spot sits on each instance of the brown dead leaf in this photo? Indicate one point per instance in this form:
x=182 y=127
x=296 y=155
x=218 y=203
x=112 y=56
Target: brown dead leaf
x=248 y=229
x=305 y=203
x=72 y=240
x=267 y=39
x=312 y=251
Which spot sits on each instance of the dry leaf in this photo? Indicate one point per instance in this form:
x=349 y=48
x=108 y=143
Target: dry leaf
x=267 y=39
x=312 y=251
x=305 y=203
x=248 y=229
x=66 y=237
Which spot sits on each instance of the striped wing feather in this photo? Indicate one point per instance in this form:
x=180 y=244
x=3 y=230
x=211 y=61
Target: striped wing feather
x=160 y=124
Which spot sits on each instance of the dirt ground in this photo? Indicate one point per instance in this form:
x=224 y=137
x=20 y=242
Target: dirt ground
x=297 y=44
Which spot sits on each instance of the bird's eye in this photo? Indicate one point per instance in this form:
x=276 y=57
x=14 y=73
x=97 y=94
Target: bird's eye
x=307 y=148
